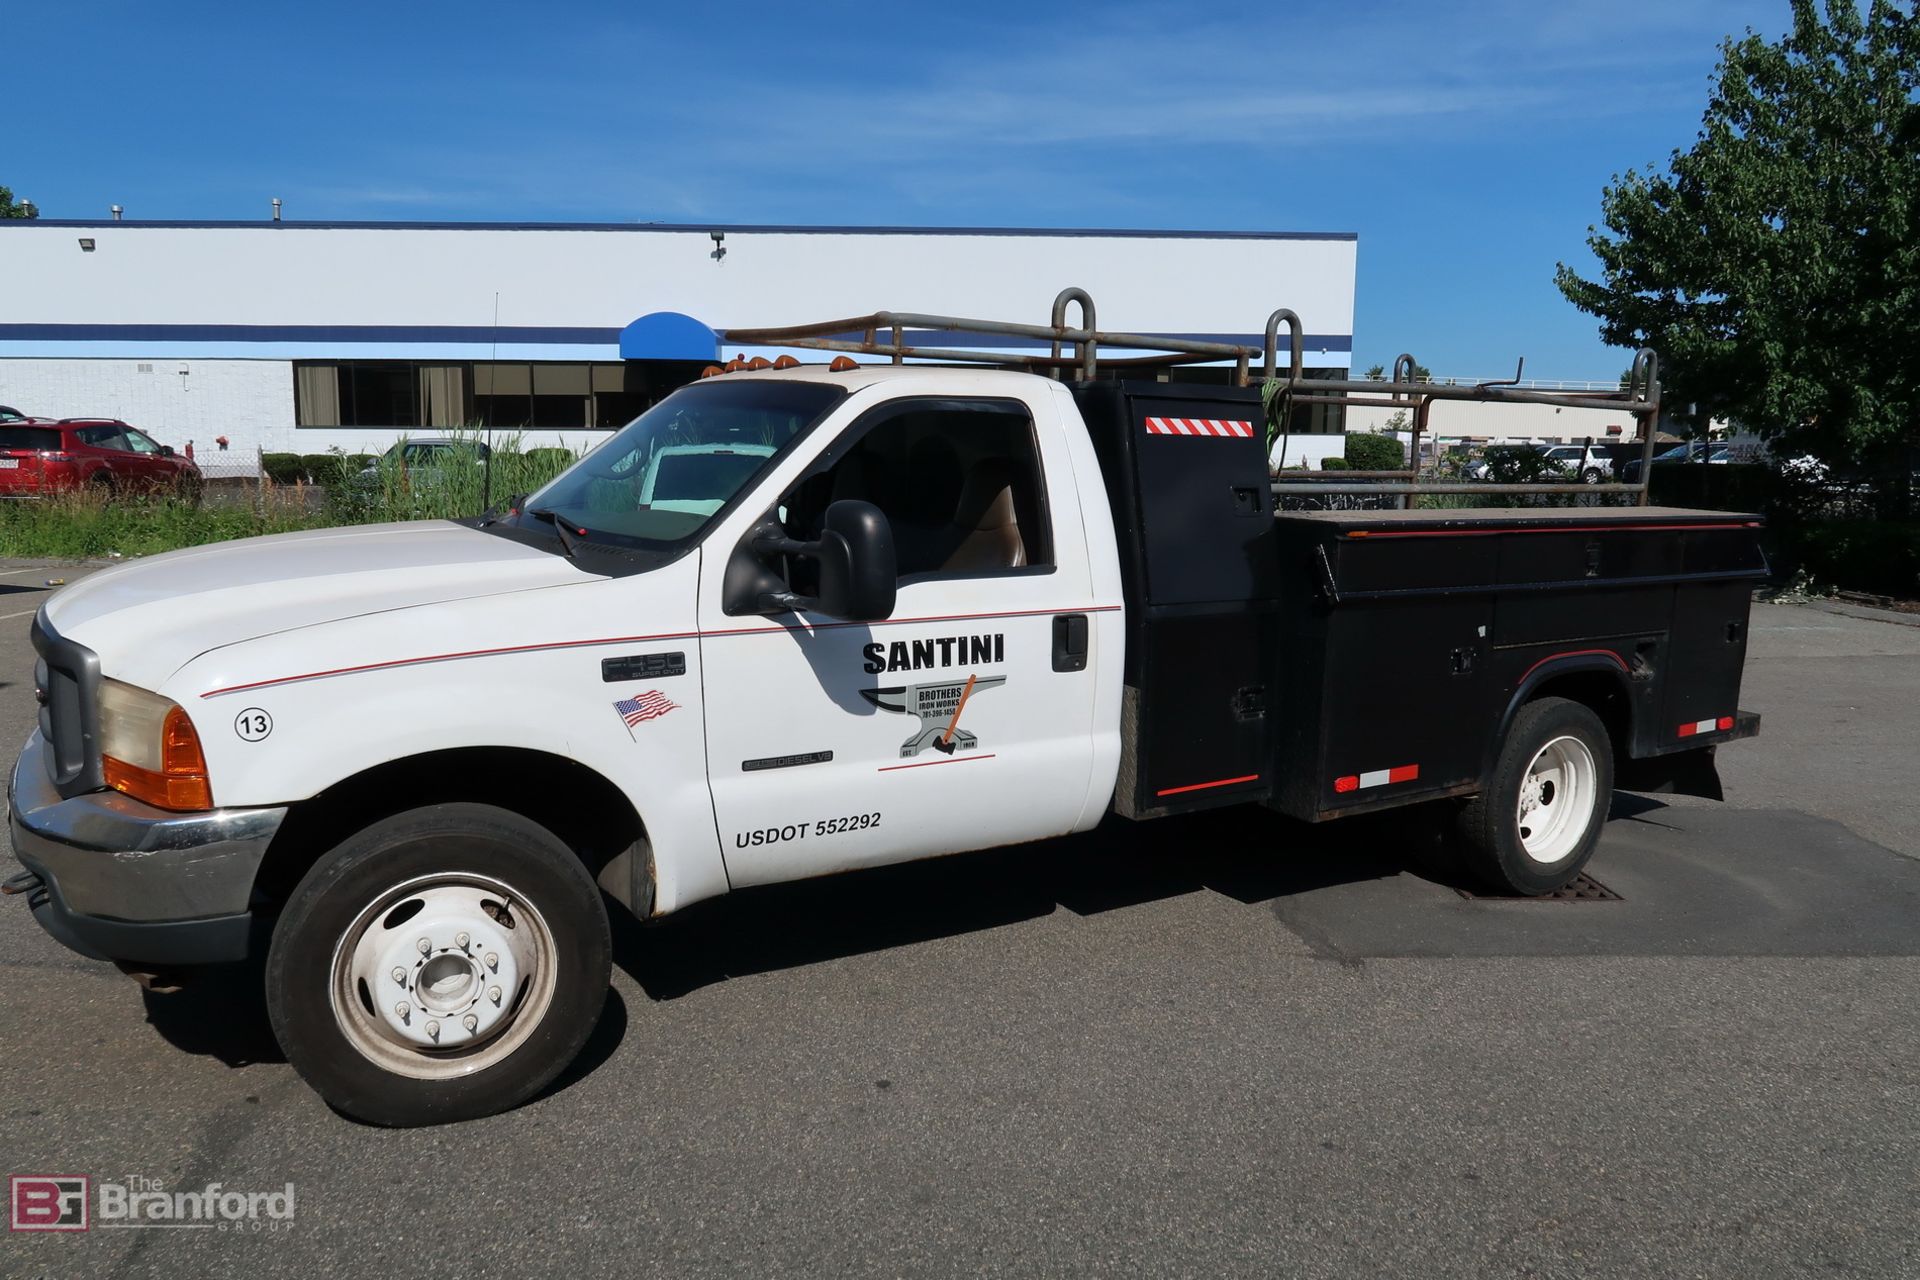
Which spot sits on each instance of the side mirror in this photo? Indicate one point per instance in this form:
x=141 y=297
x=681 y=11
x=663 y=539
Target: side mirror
x=856 y=563
x=166 y=451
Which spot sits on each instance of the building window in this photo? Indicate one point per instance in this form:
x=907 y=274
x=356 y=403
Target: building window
x=506 y=395
x=361 y=393
x=503 y=395
x=619 y=395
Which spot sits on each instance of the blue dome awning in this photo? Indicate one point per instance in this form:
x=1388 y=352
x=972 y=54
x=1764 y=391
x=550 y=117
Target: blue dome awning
x=668 y=335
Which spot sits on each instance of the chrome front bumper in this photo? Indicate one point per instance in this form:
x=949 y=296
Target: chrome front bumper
x=121 y=880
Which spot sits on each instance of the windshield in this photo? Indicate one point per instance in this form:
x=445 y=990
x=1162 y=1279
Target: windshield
x=669 y=472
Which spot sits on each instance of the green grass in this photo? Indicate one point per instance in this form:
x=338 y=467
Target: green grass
x=88 y=525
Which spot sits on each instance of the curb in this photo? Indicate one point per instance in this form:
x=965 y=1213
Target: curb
x=1859 y=611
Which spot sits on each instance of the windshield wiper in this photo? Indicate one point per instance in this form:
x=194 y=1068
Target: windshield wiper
x=512 y=505
x=560 y=529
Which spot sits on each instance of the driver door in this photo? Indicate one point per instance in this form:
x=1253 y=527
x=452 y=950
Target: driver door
x=953 y=724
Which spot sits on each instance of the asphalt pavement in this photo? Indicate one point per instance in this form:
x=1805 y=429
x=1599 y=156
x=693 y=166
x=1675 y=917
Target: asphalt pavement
x=1230 y=1045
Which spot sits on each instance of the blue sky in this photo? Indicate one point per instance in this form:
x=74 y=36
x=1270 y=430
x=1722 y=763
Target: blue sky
x=1466 y=143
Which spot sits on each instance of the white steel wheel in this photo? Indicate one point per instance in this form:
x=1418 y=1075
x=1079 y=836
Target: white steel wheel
x=1556 y=800
x=441 y=964
x=443 y=975
x=1538 y=817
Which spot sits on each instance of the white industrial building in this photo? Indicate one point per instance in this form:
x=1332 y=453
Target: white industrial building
x=301 y=337
x=1463 y=422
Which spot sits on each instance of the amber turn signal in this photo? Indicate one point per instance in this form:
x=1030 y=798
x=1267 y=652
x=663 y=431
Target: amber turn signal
x=181 y=781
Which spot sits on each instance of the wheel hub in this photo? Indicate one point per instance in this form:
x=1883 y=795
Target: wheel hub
x=445 y=978
x=1556 y=795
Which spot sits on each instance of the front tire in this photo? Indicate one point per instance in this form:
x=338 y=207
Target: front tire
x=443 y=964
x=1535 y=825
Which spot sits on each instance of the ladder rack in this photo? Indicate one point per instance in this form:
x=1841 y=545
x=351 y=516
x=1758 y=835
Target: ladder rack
x=885 y=333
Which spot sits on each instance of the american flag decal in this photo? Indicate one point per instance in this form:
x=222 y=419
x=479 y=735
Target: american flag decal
x=1230 y=428
x=650 y=705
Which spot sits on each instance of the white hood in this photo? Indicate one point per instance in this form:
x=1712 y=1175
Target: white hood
x=148 y=618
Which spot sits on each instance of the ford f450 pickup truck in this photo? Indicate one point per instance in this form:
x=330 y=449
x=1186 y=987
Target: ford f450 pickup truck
x=808 y=619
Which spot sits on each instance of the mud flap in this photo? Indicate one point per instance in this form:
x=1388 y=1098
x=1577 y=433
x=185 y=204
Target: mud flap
x=1684 y=773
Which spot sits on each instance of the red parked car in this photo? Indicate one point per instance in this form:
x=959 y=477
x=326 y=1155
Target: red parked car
x=40 y=456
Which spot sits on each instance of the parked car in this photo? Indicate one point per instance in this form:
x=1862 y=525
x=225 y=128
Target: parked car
x=1590 y=464
x=10 y=414
x=1691 y=451
x=40 y=456
x=428 y=454
x=1516 y=463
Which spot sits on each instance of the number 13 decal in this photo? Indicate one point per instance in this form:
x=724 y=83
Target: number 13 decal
x=253 y=724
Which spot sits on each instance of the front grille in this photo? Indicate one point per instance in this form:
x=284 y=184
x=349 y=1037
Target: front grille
x=67 y=683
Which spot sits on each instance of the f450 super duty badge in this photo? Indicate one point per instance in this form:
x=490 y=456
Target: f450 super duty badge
x=939 y=707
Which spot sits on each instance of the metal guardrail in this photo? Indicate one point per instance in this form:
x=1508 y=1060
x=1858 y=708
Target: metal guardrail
x=885 y=333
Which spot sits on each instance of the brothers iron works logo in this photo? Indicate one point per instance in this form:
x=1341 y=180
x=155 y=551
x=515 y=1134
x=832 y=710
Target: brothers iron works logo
x=939 y=707
x=60 y=1203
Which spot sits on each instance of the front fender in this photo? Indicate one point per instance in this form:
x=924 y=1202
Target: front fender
x=425 y=683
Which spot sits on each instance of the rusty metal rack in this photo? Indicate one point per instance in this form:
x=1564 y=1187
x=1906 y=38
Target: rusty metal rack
x=885 y=333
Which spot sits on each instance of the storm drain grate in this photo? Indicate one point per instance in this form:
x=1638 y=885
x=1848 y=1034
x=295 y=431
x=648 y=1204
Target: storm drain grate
x=1583 y=889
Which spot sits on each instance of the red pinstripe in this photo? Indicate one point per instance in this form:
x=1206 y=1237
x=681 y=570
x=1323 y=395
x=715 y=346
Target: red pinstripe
x=461 y=655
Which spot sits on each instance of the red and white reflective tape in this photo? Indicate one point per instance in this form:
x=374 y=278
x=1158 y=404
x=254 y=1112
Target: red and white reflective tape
x=1221 y=427
x=1706 y=726
x=1377 y=778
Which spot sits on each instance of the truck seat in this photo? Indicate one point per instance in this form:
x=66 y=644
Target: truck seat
x=989 y=531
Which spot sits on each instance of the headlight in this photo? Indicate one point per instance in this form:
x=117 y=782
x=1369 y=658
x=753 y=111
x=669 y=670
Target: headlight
x=149 y=749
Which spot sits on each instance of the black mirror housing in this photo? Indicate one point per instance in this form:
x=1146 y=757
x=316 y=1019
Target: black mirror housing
x=855 y=557
x=858 y=566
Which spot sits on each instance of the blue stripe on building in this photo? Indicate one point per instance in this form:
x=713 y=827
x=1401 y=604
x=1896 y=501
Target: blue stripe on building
x=522 y=335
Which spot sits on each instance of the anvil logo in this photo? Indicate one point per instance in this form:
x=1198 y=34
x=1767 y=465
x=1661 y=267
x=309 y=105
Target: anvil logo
x=939 y=707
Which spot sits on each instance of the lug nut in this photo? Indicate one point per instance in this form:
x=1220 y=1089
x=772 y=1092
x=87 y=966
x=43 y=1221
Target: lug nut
x=493 y=960
x=424 y=945
x=470 y=1022
x=461 y=940
x=493 y=994
x=400 y=975
x=433 y=1030
x=401 y=1010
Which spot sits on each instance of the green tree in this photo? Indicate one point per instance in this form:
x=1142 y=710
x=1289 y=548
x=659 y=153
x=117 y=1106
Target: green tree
x=10 y=208
x=1776 y=267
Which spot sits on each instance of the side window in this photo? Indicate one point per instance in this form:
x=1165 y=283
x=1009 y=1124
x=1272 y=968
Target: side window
x=102 y=437
x=140 y=443
x=959 y=481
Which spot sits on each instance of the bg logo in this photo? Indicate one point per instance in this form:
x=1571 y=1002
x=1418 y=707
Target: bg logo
x=47 y=1202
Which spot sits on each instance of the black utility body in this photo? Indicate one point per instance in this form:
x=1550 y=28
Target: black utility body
x=1333 y=662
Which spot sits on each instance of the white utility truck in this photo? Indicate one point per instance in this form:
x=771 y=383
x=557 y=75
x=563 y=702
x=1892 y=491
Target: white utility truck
x=808 y=619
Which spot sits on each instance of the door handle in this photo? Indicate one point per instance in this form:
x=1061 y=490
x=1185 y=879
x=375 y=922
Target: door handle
x=1070 y=642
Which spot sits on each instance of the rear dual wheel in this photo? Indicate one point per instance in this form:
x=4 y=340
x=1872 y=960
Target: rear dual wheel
x=443 y=964
x=1535 y=825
